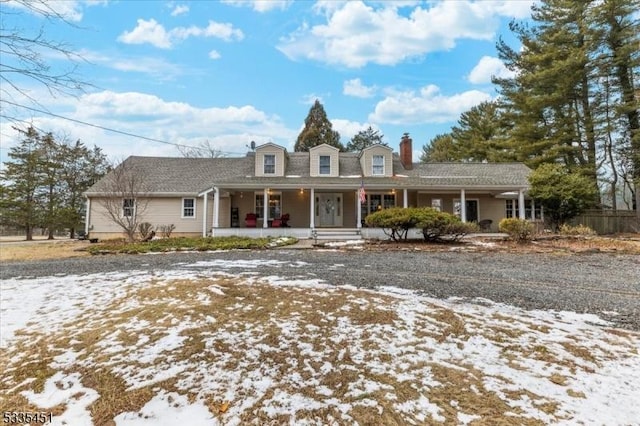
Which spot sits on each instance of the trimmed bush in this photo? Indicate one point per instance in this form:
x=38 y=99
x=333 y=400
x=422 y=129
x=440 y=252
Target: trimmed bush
x=519 y=230
x=434 y=224
x=577 y=230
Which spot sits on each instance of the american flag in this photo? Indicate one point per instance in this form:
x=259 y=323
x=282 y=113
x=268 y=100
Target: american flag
x=362 y=194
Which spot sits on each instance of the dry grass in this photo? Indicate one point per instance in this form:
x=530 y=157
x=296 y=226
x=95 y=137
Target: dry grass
x=222 y=322
x=42 y=250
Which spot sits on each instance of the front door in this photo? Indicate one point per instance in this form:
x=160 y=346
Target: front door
x=329 y=210
x=472 y=210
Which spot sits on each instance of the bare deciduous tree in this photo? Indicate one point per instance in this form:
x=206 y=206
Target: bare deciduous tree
x=202 y=150
x=126 y=199
x=24 y=54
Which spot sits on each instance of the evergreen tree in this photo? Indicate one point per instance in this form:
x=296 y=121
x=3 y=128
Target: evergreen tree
x=23 y=177
x=480 y=134
x=317 y=130
x=364 y=139
x=50 y=191
x=441 y=148
x=81 y=168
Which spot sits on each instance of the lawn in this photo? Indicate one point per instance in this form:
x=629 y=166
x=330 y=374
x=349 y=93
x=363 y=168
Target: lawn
x=210 y=345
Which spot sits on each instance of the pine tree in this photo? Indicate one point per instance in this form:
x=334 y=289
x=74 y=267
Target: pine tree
x=317 y=130
x=23 y=177
x=480 y=134
x=364 y=139
x=441 y=148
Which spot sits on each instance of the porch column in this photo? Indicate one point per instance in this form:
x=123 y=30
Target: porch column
x=216 y=208
x=463 y=206
x=87 y=217
x=405 y=201
x=204 y=214
x=521 y=204
x=358 y=211
x=312 y=208
x=265 y=208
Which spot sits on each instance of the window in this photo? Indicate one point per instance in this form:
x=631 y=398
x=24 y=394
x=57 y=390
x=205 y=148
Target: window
x=378 y=165
x=531 y=210
x=188 y=208
x=325 y=165
x=275 y=205
x=128 y=207
x=269 y=164
x=436 y=203
x=377 y=202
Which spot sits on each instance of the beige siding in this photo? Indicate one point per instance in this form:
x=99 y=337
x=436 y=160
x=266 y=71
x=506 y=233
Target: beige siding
x=165 y=211
x=314 y=160
x=488 y=206
x=276 y=150
x=366 y=160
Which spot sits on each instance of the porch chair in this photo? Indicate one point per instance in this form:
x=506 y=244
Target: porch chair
x=485 y=224
x=250 y=220
x=284 y=220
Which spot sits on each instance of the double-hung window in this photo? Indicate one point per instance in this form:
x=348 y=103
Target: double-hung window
x=128 y=207
x=377 y=165
x=532 y=211
x=188 y=208
x=274 y=208
x=269 y=164
x=324 y=165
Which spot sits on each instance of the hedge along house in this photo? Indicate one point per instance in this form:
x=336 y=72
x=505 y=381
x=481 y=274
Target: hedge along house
x=323 y=189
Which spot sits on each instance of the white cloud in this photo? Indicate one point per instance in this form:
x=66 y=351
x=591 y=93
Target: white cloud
x=229 y=128
x=180 y=10
x=70 y=10
x=487 y=67
x=356 y=34
x=426 y=106
x=310 y=99
x=260 y=5
x=349 y=129
x=355 y=88
x=155 y=34
x=147 y=32
x=214 y=55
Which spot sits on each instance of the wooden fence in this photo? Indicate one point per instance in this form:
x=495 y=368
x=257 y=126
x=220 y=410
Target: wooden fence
x=609 y=221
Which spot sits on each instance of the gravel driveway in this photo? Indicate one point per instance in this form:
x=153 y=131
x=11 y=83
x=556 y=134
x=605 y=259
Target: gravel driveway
x=602 y=284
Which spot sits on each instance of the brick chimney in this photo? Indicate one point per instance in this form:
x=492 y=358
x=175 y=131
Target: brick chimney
x=406 y=152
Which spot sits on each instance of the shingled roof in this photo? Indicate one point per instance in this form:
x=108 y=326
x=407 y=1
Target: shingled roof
x=190 y=176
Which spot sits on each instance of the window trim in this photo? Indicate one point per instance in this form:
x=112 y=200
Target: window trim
x=320 y=165
x=182 y=215
x=260 y=196
x=125 y=208
x=374 y=165
x=513 y=211
x=264 y=164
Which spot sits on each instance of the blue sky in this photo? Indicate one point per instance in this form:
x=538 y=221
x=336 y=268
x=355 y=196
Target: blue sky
x=230 y=72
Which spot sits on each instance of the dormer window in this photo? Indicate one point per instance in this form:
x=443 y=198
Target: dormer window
x=269 y=164
x=324 y=165
x=377 y=165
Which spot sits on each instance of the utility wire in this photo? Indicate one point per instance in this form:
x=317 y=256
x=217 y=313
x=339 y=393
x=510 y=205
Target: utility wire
x=110 y=129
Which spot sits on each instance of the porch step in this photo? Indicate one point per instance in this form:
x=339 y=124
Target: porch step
x=336 y=234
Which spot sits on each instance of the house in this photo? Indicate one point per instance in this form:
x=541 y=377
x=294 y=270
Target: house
x=320 y=189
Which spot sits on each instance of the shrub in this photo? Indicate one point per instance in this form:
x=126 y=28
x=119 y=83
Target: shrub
x=145 y=229
x=519 y=230
x=395 y=222
x=576 y=230
x=166 y=230
x=434 y=224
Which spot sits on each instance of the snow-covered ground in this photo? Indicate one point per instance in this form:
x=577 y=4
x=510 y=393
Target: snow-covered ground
x=219 y=343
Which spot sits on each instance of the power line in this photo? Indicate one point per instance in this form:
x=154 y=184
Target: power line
x=112 y=130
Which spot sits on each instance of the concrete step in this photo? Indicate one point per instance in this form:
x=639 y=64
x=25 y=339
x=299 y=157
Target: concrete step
x=336 y=234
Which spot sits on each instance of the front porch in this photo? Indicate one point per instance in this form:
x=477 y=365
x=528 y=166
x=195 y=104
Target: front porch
x=325 y=208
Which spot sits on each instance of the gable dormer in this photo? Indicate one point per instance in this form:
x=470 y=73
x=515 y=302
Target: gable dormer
x=270 y=160
x=377 y=161
x=324 y=161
